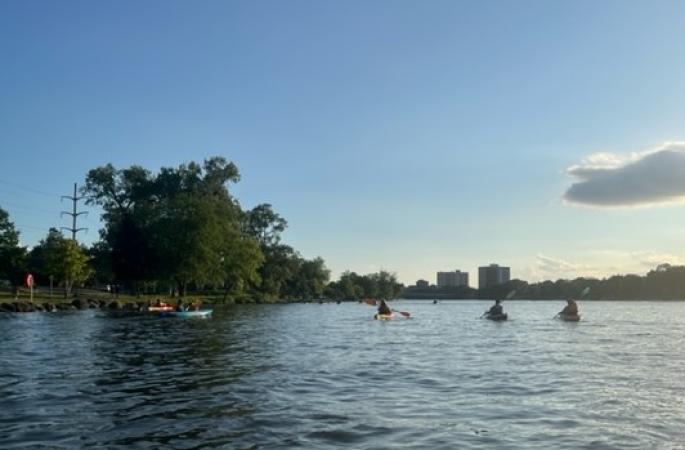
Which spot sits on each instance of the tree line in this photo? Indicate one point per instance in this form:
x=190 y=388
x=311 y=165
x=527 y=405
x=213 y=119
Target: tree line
x=665 y=282
x=177 y=231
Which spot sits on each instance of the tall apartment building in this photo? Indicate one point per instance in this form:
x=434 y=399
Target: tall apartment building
x=492 y=275
x=453 y=279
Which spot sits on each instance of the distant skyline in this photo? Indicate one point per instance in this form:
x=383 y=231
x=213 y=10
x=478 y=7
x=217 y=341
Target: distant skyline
x=414 y=137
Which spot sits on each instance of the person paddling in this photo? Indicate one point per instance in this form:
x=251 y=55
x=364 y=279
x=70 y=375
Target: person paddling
x=571 y=309
x=384 y=309
x=496 y=309
x=180 y=306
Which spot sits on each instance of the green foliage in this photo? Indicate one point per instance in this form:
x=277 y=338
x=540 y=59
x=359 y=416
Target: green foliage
x=62 y=259
x=665 y=282
x=280 y=266
x=182 y=227
x=9 y=236
x=376 y=285
x=12 y=256
x=265 y=225
x=308 y=280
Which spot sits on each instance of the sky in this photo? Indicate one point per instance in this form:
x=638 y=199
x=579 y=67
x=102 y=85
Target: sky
x=408 y=136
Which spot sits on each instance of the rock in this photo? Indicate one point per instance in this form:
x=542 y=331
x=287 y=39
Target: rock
x=65 y=306
x=38 y=307
x=92 y=304
x=114 y=305
x=79 y=303
x=7 y=307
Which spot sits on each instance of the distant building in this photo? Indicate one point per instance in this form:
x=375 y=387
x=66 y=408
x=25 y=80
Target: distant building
x=423 y=284
x=453 y=279
x=492 y=275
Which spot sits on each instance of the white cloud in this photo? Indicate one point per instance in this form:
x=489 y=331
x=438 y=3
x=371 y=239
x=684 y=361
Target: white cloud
x=548 y=268
x=597 y=264
x=649 y=260
x=651 y=177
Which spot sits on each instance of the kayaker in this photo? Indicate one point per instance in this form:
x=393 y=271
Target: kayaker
x=180 y=306
x=571 y=309
x=496 y=309
x=384 y=308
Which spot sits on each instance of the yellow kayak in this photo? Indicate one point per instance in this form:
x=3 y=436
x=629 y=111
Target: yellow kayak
x=378 y=316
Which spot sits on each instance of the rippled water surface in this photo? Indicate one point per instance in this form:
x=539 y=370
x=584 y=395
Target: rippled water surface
x=329 y=376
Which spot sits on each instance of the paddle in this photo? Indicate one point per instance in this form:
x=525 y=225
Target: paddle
x=404 y=313
x=509 y=296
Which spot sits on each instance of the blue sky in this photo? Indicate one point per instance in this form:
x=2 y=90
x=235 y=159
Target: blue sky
x=403 y=135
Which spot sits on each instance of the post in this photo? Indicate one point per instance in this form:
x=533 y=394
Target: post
x=74 y=199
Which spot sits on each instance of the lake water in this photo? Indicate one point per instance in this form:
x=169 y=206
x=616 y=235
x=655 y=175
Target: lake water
x=329 y=376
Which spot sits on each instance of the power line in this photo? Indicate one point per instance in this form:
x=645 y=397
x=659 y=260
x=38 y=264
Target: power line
x=27 y=188
x=27 y=208
x=31 y=227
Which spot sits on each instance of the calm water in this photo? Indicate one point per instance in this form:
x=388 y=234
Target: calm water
x=328 y=376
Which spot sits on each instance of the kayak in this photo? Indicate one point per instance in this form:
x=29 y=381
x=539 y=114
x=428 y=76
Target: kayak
x=378 y=316
x=569 y=317
x=201 y=313
x=497 y=317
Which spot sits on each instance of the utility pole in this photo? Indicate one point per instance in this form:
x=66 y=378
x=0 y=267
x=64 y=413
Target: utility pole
x=75 y=199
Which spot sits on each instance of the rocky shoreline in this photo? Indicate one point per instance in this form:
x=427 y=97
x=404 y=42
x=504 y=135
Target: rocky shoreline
x=76 y=304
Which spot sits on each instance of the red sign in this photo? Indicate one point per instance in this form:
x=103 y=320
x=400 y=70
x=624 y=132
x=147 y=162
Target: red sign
x=29 y=280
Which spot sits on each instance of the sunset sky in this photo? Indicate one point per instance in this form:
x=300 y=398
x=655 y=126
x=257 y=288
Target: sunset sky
x=401 y=135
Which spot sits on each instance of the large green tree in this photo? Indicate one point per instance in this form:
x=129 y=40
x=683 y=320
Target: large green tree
x=181 y=225
x=63 y=259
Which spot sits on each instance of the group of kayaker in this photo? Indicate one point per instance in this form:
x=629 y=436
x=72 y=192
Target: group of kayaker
x=496 y=312
x=569 y=313
x=182 y=307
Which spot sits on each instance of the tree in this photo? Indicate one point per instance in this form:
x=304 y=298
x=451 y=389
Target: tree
x=308 y=280
x=181 y=225
x=127 y=199
x=12 y=256
x=280 y=265
x=387 y=285
x=382 y=284
x=265 y=225
x=192 y=236
x=241 y=258
x=65 y=261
